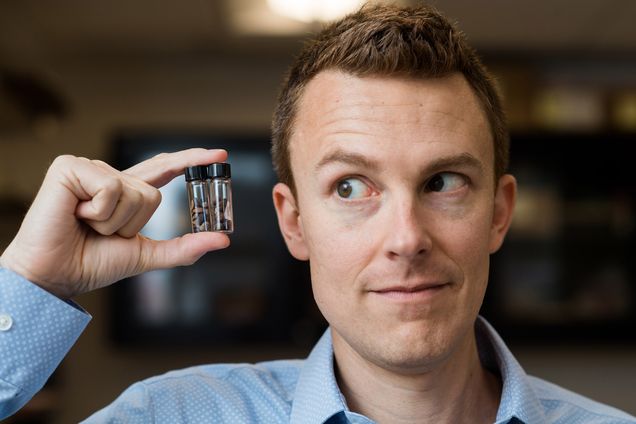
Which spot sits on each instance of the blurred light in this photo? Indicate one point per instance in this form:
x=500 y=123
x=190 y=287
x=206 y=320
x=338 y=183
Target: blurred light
x=624 y=113
x=314 y=10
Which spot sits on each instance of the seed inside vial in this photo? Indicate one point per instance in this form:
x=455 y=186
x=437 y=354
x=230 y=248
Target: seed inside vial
x=197 y=196
x=223 y=225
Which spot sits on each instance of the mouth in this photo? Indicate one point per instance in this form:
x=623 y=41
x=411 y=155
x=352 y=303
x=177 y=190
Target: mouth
x=406 y=293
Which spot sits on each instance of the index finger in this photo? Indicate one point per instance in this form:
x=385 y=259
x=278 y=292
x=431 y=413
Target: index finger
x=161 y=169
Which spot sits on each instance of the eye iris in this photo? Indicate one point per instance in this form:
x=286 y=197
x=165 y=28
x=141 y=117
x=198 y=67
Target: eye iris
x=436 y=184
x=344 y=189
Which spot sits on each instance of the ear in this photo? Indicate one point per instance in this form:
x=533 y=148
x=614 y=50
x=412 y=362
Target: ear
x=289 y=221
x=505 y=197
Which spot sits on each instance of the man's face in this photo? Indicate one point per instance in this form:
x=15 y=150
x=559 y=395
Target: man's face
x=395 y=209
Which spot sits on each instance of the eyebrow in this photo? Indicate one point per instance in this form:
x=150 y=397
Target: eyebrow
x=348 y=158
x=462 y=160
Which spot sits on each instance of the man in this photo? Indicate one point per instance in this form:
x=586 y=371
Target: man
x=391 y=149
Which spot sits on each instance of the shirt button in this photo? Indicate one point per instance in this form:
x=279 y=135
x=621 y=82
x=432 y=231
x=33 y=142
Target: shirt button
x=5 y=322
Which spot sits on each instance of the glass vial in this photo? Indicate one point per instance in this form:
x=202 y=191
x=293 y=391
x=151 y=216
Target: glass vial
x=198 y=198
x=220 y=197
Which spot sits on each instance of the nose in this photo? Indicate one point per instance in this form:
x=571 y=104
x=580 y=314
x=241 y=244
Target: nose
x=407 y=235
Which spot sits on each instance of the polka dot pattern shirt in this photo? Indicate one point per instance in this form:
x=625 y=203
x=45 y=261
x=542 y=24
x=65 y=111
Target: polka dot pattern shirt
x=37 y=329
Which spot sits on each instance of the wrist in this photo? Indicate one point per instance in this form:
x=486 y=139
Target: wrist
x=8 y=262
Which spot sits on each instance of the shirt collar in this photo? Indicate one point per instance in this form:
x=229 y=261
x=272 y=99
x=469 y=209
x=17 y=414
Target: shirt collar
x=518 y=399
x=318 y=397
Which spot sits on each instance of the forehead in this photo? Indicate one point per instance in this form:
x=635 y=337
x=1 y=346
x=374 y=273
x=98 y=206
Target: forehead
x=337 y=108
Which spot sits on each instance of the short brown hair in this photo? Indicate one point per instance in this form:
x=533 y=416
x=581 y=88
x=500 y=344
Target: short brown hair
x=416 y=42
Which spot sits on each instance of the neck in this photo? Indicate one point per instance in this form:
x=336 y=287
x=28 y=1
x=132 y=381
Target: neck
x=456 y=390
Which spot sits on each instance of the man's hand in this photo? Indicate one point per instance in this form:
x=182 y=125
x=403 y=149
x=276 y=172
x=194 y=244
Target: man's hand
x=82 y=230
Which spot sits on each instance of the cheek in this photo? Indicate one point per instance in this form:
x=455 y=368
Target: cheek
x=338 y=252
x=335 y=237
x=466 y=242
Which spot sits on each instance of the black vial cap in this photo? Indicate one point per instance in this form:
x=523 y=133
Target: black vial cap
x=219 y=170
x=195 y=173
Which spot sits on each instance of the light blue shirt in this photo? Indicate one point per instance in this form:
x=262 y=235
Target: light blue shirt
x=42 y=329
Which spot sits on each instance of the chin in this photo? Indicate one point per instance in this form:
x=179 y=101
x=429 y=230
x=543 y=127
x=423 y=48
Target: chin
x=410 y=360
x=418 y=346
x=409 y=352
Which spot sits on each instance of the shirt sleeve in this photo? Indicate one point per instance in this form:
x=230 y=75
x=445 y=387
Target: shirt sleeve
x=133 y=406
x=37 y=329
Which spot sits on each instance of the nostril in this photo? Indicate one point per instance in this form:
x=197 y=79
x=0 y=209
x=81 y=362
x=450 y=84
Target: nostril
x=408 y=248
x=407 y=236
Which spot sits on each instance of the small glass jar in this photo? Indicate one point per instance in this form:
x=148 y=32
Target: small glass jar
x=198 y=198
x=220 y=186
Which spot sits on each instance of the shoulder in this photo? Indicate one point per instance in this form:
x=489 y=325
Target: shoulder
x=275 y=378
x=237 y=393
x=562 y=405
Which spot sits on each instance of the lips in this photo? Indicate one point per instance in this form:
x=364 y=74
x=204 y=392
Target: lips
x=407 y=293
x=408 y=288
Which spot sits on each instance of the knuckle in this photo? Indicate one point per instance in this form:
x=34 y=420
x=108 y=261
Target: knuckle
x=100 y=163
x=113 y=185
x=63 y=161
x=155 y=197
x=136 y=197
x=159 y=160
x=102 y=228
x=144 y=254
x=195 y=152
x=161 y=157
x=101 y=213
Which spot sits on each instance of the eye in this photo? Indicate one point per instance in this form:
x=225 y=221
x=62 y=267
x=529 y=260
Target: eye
x=445 y=181
x=353 y=188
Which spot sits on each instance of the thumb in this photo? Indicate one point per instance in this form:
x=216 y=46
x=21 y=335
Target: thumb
x=184 y=250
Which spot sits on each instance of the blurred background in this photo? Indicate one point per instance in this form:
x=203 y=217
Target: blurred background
x=124 y=80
